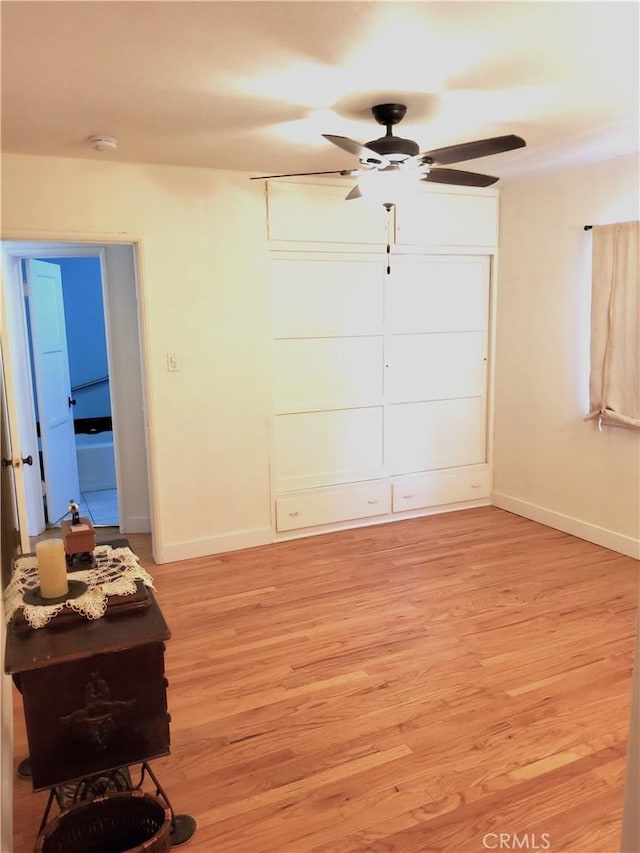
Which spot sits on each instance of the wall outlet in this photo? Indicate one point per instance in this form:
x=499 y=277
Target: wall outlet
x=172 y=361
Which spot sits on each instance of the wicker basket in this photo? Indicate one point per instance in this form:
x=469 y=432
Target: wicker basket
x=131 y=822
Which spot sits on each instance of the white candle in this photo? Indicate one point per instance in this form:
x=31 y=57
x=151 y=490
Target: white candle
x=52 y=568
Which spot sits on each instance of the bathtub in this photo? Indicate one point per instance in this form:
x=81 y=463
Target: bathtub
x=96 y=461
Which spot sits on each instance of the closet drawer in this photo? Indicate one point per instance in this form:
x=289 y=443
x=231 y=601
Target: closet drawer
x=440 y=487
x=333 y=504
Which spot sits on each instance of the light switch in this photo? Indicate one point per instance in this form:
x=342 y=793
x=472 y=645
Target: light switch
x=172 y=361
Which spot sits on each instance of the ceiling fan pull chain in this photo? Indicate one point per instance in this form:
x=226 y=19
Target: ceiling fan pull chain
x=388 y=207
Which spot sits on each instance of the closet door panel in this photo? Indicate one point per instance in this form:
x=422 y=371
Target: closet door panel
x=303 y=212
x=464 y=217
x=323 y=297
x=325 y=373
x=438 y=434
x=435 y=366
x=320 y=448
x=438 y=294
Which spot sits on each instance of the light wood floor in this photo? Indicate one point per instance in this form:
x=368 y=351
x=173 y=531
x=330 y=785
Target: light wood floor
x=408 y=687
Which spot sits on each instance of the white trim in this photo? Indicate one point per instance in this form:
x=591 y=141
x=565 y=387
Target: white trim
x=214 y=545
x=135 y=524
x=266 y=536
x=25 y=235
x=378 y=249
x=619 y=542
x=492 y=346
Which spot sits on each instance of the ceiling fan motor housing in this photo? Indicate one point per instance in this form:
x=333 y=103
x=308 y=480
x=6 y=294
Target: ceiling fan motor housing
x=394 y=148
x=389 y=114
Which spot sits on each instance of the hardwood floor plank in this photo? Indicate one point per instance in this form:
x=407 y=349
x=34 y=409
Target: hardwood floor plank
x=408 y=687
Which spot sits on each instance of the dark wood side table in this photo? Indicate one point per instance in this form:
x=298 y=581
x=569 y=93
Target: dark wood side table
x=94 y=695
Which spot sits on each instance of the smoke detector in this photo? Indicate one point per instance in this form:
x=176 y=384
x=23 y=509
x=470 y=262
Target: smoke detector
x=103 y=143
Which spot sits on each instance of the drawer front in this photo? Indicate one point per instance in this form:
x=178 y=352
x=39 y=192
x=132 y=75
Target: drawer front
x=333 y=504
x=440 y=487
x=97 y=713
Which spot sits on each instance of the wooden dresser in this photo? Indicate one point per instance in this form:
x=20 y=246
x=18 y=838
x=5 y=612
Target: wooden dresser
x=94 y=693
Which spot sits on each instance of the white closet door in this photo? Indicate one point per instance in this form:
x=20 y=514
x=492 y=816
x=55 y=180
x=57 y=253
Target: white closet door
x=436 y=363
x=328 y=369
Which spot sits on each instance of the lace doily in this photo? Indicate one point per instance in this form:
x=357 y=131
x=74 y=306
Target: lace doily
x=116 y=573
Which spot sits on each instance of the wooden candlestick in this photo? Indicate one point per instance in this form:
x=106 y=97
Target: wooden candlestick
x=52 y=568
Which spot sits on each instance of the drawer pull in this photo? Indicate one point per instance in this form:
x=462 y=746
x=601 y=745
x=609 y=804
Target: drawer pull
x=407 y=497
x=476 y=485
x=294 y=513
x=372 y=501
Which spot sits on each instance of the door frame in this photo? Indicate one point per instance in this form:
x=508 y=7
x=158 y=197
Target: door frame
x=17 y=245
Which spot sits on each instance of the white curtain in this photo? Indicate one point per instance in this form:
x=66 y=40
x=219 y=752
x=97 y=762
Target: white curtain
x=614 y=384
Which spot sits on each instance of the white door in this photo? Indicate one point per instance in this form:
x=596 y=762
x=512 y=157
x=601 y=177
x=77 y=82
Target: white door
x=53 y=386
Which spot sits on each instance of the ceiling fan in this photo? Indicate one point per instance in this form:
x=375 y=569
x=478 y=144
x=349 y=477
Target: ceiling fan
x=392 y=153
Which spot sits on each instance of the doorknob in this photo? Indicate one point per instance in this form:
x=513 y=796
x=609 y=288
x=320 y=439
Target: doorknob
x=71 y=401
x=11 y=463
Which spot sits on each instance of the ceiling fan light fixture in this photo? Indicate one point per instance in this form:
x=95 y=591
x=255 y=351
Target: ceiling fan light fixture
x=388 y=186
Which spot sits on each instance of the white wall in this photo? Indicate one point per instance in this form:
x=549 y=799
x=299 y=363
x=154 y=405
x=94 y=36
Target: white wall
x=549 y=464
x=204 y=297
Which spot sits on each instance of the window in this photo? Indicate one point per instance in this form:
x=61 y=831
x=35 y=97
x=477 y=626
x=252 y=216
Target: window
x=614 y=383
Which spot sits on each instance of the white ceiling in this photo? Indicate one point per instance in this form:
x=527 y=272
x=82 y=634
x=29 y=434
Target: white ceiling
x=252 y=85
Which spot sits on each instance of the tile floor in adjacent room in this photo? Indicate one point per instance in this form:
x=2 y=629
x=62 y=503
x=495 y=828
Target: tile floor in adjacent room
x=100 y=507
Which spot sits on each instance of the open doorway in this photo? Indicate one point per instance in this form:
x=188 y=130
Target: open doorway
x=105 y=396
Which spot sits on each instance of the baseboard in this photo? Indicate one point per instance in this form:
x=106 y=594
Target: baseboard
x=97 y=484
x=626 y=545
x=135 y=524
x=214 y=545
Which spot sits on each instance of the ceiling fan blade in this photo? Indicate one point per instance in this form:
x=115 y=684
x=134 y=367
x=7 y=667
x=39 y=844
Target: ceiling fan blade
x=470 y=150
x=361 y=151
x=354 y=193
x=344 y=172
x=459 y=178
